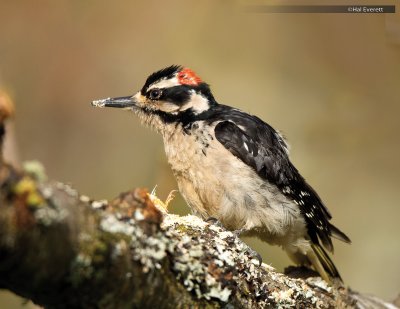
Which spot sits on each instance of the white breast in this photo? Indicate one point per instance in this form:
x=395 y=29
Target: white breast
x=217 y=184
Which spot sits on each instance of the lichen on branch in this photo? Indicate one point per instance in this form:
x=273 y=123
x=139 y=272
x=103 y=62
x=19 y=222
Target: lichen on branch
x=63 y=239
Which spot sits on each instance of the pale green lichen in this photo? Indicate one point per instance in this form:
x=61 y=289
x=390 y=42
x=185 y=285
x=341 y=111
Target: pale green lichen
x=48 y=216
x=194 y=255
x=84 y=199
x=99 y=204
x=111 y=224
x=207 y=259
x=119 y=249
x=139 y=215
x=36 y=170
x=149 y=250
x=67 y=189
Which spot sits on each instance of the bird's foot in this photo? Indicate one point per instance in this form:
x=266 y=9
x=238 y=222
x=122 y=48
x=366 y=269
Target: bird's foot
x=215 y=221
x=254 y=255
x=238 y=232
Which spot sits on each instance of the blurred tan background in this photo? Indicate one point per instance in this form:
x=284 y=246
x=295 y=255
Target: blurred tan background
x=329 y=82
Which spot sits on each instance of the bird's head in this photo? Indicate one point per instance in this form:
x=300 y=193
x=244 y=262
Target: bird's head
x=173 y=94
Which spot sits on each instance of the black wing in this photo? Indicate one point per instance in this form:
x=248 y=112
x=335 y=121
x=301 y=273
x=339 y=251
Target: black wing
x=258 y=145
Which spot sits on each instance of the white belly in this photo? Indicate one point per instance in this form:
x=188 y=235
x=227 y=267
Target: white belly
x=217 y=184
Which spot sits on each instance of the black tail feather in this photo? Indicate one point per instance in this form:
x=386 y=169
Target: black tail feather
x=326 y=261
x=338 y=234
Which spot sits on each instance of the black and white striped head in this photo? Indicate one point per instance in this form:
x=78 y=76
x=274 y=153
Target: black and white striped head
x=170 y=95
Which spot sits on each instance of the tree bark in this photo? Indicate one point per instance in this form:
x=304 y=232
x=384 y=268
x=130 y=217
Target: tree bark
x=64 y=250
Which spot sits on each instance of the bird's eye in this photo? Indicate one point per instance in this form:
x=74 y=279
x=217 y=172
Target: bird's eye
x=155 y=94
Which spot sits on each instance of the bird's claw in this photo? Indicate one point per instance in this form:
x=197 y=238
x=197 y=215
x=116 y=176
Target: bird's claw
x=215 y=221
x=254 y=255
x=238 y=232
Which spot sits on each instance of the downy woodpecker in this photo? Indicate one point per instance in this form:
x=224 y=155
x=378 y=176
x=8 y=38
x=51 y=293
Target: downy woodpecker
x=234 y=167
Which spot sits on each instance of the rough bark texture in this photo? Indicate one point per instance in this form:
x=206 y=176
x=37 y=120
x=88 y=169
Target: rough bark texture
x=64 y=250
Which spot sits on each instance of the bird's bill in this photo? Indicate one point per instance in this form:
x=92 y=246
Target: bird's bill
x=120 y=102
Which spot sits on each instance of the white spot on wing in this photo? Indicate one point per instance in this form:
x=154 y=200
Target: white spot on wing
x=241 y=127
x=287 y=190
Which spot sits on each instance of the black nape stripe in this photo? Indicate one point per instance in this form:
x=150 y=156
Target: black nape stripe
x=186 y=117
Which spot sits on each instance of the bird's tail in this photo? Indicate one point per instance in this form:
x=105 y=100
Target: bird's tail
x=338 y=234
x=322 y=263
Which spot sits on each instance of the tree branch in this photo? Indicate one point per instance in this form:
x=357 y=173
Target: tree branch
x=64 y=250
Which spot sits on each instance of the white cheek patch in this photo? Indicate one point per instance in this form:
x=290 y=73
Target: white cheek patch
x=166 y=83
x=168 y=107
x=197 y=102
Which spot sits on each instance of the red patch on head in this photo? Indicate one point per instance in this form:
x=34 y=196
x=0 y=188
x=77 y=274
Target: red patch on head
x=188 y=77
